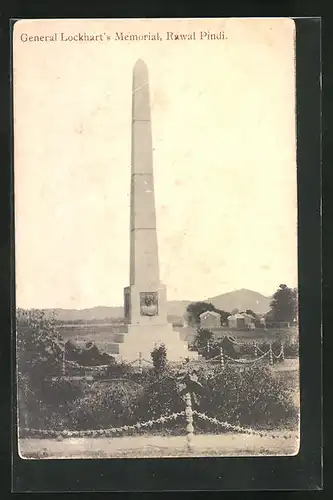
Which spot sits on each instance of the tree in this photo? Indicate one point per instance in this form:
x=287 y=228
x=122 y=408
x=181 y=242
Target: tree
x=284 y=304
x=252 y=313
x=196 y=308
x=39 y=346
x=43 y=400
x=224 y=315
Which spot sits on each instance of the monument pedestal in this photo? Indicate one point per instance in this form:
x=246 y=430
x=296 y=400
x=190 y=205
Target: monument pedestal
x=147 y=325
x=144 y=338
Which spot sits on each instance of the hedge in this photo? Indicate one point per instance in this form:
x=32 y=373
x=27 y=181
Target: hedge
x=248 y=396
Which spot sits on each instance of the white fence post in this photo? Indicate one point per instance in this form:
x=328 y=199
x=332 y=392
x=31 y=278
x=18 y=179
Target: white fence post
x=140 y=362
x=270 y=354
x=282 y=351
x=189 y=421
x=221 y=356
x=255 y=350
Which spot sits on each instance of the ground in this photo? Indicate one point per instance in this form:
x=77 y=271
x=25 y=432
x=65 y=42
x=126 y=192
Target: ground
x=159 y=446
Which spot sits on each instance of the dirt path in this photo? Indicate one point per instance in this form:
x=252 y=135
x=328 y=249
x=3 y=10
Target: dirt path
x=158 y=446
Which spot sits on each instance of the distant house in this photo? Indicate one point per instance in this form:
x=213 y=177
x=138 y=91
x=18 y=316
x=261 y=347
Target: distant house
x=210 y=319
x=241 y=320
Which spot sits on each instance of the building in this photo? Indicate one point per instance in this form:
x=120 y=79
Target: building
x=239 y=321
x=210 y=319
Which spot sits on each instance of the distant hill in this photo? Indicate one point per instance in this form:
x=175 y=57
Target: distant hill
x=239 y=299
x=242 y=299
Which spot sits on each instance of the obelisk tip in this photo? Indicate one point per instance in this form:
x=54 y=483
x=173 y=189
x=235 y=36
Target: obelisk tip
x=140 y=70
x=140 y=64
x=140 y=75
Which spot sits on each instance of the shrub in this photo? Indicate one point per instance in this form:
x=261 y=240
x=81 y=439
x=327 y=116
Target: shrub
x=205 y=344
x=88 y=355
x=106 y=405
x=249 y=396
x=247 y=349
x=202 y=339
x=160 y=396
x=230 y=347
x=45 y=404
x=159 y=357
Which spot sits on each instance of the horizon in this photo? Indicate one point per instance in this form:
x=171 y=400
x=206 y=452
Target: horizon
x=168 y=300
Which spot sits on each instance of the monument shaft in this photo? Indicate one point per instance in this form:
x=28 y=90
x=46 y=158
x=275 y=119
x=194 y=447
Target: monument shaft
x=145 y=298
x=144 y=266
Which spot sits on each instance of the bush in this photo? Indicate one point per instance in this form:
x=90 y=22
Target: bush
x=106 y=405
x=160 y=396
x=247 y=396
x=248 y=349
x=89 y=355
x=45 y=404
x=202 y=339
x=159 y=357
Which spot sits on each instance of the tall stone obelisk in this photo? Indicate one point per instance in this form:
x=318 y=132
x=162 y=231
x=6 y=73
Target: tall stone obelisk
x=145 y=300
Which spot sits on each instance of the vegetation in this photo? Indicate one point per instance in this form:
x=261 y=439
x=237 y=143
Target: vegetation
x=87 y=355
x=285 y=304
x=203 y=338
x=249 y=396
x=43 y=394
x=159 y=357
x=195 y=309
x=39 y=347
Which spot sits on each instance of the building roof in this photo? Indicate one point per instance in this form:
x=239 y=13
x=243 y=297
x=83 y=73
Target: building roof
x=241 y=316
x=211 y=313
x=236 y=316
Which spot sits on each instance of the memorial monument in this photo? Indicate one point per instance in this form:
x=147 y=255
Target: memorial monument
x=145 y=302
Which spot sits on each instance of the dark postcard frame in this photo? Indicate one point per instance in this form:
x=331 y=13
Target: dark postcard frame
x=302 y=472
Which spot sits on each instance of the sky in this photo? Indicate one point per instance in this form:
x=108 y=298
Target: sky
x=223 y=125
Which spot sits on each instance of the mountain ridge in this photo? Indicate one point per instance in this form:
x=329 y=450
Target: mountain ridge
x=241 y=299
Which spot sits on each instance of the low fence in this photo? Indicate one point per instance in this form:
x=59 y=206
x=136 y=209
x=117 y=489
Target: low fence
x=259 y=355
x=188 y=413
x=222 y=358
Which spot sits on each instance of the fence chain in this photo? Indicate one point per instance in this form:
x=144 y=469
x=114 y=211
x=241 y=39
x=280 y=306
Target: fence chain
x=238 y=428
x=140 y=359
x=105 y=432
x=141 y=425
x=95 y=367
x=277 y=356
x=246 y=361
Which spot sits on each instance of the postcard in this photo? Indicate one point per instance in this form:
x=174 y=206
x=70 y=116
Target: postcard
x=156 y=238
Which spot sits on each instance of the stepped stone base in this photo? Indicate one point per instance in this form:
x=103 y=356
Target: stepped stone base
x=144 y=338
